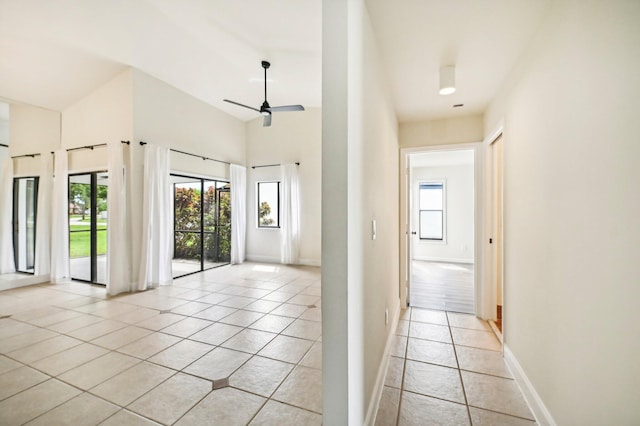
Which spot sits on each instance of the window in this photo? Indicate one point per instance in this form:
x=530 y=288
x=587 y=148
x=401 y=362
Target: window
x=431 y=198
x=268 y=204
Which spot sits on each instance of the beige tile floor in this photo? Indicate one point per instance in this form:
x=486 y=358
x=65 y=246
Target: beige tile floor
x=446 y=369
x=70 y=355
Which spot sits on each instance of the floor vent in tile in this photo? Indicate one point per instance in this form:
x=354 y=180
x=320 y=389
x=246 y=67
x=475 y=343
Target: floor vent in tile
x=165 y=311
x=311 y=306
x=5 y=316
x=220 y=383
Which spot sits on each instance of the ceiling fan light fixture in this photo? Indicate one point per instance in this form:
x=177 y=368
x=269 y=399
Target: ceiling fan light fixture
x=447 y=80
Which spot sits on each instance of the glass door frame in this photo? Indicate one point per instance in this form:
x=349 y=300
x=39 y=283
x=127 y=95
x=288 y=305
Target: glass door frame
x=202 y=233
x=15 y=222
x=93 y=225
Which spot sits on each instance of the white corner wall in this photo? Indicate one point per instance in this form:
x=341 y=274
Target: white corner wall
x=103 y=116
x=31 y=130
x=359 y=184
x=571 y=210
x=292 y=137
x=459 y=211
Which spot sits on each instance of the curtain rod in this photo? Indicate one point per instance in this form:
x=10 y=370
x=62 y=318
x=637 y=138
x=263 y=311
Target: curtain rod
x=192 y=155
x=94 y=146
x=297 y=163
x=26 y=155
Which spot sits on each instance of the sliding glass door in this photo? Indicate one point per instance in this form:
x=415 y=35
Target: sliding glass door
x=202 y=224
x=25 y=204
x=88 y=227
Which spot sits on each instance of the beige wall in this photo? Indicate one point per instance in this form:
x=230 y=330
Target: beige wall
x=441 y=132
x=292 y=137
x=571 y=209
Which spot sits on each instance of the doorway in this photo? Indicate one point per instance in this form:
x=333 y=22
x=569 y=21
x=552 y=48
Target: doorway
x=25 y=206
x=440 y=213
x=88 y=227
x=496 y=239
x=201 y=224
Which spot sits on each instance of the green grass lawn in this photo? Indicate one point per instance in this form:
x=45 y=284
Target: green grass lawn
x=80 y=242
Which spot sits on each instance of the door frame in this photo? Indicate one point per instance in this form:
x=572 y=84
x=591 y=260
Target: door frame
x=490 y=223
x=93 y=225
x=202 y=233
x=479 y=228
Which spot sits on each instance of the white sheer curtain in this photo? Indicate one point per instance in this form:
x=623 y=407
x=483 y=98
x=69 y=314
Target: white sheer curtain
x=7 y=264
x=290 y=211
x=155 y=263
x=59 y=219
x=238 y=212
x=42 y=264
x=118 y=256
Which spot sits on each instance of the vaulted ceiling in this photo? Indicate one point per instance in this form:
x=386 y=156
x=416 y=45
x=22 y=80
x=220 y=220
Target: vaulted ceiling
x=53 y=53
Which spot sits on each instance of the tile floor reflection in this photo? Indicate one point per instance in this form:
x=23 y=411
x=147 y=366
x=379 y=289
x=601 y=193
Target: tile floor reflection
x=446 y=368
x=71 y=355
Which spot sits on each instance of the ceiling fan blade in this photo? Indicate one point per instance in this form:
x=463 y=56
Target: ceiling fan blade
x=287 y=108
x=242 y=105
x=267 y=121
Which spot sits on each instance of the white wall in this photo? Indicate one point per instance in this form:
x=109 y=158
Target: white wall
x=292 y=137
x=459 y=211
x=571 y=210
x=359 y=184
x=31 y=130
x=165 y=116
x=105 y=115
x=442 y=131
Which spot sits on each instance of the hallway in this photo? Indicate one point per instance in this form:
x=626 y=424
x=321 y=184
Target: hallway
x=446 y=369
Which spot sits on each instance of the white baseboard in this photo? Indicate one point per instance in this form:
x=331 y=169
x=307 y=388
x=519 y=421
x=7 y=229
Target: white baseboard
x=265 y=259
x=273 y=259
x=443 y=259
x=23 y=282
x=539 y=410
x=374 y=402
x=310 y=262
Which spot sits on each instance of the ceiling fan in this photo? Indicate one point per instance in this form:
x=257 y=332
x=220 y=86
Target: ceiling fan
x=265 y=108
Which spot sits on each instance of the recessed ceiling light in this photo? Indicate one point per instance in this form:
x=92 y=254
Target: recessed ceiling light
x=447 y=80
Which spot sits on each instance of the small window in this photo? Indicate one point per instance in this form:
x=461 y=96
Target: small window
x=432 y=211
x=268 y=204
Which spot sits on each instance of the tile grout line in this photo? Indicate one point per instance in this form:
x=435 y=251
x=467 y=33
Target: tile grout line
x=404 y=366
x=455 y=352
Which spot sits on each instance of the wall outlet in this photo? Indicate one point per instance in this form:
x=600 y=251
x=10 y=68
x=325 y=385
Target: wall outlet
x=386 y=316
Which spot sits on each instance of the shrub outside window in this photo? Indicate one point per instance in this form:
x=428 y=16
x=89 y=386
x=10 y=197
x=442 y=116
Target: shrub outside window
x=268 y=207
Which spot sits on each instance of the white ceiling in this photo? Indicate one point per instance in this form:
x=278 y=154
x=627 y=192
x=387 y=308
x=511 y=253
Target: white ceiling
x=53 y=53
